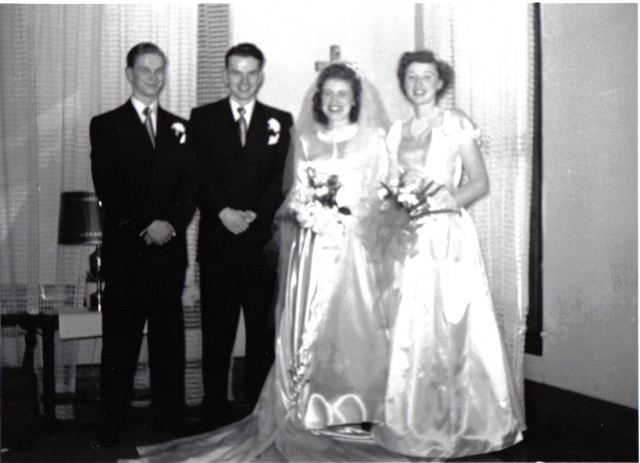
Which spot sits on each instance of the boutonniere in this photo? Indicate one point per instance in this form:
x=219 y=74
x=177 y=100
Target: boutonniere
x=180 y=131
x=274 y=130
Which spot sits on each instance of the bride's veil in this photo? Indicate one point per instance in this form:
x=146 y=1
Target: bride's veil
x=372 y=114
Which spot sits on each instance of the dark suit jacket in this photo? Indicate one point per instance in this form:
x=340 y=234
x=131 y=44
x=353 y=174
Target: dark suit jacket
x=137 y=185
x=243 y=178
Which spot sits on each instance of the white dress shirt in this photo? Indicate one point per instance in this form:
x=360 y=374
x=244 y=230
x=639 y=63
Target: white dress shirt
x=139 y=105
x=248 y=110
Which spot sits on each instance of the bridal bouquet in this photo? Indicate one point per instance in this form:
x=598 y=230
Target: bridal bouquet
x=418 y=197
x=315 y=204
x=407 y=204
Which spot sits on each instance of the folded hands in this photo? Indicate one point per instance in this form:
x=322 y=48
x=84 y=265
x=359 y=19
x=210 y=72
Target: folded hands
x=236 y=221
x=158 y=232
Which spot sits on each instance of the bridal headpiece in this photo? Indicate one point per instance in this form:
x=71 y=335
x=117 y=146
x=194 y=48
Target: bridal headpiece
x=353 y=66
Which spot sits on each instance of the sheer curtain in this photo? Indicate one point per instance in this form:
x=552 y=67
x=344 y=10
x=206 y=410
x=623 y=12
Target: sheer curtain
x=213 y=41
x=61 y=65
x=490 y=47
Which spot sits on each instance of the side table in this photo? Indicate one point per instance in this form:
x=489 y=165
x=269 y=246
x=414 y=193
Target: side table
x=79 y=325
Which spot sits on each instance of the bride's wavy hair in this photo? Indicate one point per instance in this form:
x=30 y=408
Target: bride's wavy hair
x=445 y=71
x=343 y=72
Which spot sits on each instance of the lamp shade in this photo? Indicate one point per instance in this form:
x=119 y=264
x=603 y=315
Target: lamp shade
x=81 y=218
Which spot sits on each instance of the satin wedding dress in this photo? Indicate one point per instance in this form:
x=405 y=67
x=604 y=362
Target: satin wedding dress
x=450 y=392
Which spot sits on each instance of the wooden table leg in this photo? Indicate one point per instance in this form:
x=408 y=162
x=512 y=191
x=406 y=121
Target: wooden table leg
x=49 y=326
x=48 y=323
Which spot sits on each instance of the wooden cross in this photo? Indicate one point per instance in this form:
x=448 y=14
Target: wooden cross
x=334 y=55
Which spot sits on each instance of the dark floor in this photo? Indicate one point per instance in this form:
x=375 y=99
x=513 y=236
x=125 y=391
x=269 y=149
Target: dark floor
x=70 y=441
x=563 y=426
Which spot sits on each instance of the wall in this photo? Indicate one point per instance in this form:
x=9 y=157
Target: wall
x=590 y=242
x=294 y=35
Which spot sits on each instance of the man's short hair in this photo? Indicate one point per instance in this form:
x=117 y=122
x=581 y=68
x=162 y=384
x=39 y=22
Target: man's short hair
x=142 y=49
x=244 y=49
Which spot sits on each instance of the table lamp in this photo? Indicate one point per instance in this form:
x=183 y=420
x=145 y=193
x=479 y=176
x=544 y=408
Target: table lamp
x=80 y=222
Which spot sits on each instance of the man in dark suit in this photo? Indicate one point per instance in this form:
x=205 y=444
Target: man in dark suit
x=144 y=177
x=241 y=145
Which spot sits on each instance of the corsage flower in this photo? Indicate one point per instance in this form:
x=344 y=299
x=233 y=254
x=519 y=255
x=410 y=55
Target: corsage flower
x=274 y=130
x=180 y=131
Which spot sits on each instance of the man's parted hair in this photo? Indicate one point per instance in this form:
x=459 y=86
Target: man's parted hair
x=142 y=49
x=247 y=50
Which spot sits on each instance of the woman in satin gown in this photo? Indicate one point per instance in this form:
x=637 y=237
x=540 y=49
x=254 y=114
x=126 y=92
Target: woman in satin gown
x=330 y=372
x=450 y=392
x=333 y=327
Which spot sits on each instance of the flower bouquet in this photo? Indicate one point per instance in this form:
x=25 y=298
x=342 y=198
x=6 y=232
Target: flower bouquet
x=408 y=204
x=418 y=197
x=315 y=204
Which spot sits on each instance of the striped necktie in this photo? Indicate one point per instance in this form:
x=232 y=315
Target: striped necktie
x=242 y=123
x=149 y=125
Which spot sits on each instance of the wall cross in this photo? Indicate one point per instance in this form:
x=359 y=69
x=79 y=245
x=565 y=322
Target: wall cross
x=334 y=55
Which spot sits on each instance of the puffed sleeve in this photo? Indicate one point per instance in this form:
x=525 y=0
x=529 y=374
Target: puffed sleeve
x=460 y=128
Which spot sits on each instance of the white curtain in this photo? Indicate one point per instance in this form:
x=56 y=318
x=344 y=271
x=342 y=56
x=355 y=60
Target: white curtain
x=490 y=47
x=61 y=65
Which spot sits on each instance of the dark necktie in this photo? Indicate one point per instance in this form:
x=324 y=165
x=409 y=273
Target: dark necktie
x=242 y=123
x=149 y=125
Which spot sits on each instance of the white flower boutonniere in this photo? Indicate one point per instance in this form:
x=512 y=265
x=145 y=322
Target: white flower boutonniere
x=274 y=130
x=180 y=131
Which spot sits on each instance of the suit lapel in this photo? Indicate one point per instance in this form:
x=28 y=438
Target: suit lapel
x=136 y=127
x=140 y=149
x=234 y=130
x=255 y=134
x=167 y=142
x=258 y=127
x=164 y=130
x=224 y=133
